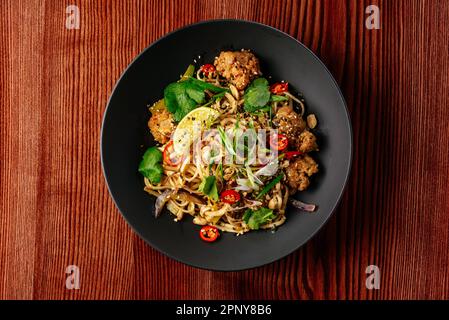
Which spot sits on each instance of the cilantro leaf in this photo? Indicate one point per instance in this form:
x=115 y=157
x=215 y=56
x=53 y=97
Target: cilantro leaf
x=203 y=85
x=278 y=98
x=255 y=218
x=195 y=93
x=177 y=100
x=209 y=187
x=256 y=95
x=184 y=96
x=150 y=166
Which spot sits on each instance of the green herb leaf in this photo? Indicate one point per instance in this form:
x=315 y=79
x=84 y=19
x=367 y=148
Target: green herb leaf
x=206 y=85
x=278 y=98
x=184 y=96
x=209 y=187
x=190 y=71
x=177 y=100
x=220 y=167
x=269 y=186
x=195 y=93
x=254 y=219
x=256 y=95
x=217 y=96
x=248 y=213
x=150 y=166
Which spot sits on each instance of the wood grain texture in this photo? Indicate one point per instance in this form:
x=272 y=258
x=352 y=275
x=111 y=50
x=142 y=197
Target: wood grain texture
x=55 y=208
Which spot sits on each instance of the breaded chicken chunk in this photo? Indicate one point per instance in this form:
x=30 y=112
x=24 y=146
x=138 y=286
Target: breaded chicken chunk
x=289 y=123
x=238 y=67
x=306 y=142
x=161 y=125
x=299 y=171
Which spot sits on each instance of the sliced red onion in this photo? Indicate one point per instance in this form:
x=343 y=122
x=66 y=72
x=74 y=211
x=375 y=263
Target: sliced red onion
x=238 y=208
x=248 y=204
x=253 y=203
x=161 y=201
x=243 y=188
x=303 y=206
x=243 y=185
x=269 y=170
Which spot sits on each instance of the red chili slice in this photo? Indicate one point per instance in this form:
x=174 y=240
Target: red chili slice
x=278 y=141
x=207 y=69
x=209 y=233
x=168 y=156
x=292 y=154
x=230 y=196
x=279 y=87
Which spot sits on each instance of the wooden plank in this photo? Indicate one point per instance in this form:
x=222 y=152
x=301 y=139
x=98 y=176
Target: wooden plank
x=55 y=208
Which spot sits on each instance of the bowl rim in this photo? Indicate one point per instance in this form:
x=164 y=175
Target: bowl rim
x=335 y=84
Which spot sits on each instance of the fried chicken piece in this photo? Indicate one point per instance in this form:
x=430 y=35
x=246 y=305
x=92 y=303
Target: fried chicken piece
x=299 y=171
x=289 y=123
x=306 y=142
x=161 y=125
x=238 y=67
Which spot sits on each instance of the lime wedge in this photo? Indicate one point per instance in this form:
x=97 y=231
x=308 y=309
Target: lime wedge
x=193 y=123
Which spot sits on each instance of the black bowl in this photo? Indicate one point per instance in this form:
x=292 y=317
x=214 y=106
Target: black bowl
x=125 y=136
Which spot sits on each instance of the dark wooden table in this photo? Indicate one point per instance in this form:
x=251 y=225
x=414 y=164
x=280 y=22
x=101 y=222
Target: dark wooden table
x=55 y=207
